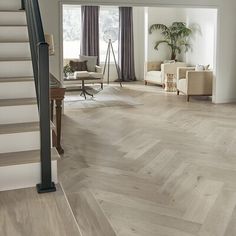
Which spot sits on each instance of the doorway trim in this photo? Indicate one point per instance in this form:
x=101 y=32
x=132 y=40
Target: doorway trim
x=135 y=4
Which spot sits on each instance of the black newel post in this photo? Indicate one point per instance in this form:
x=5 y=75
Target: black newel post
x=22 y=5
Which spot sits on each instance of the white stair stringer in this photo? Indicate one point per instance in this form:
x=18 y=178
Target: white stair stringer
x=20 y=165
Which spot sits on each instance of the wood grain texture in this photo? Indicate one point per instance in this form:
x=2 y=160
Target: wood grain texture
x=162 y=167
x=19 y=128
x=25 y=213
x=26 y=157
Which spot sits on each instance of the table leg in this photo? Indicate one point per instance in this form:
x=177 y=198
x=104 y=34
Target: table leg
x=54 y=136
x=84 y=91
x=58 y=125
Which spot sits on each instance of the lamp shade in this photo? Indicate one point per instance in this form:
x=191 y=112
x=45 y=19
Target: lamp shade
x=49 y=40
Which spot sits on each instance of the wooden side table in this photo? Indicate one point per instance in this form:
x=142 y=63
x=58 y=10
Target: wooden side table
x=57 y=96
x=170 y=83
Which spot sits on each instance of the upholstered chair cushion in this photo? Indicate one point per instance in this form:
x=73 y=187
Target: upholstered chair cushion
x=91 y=62
x=78 y=65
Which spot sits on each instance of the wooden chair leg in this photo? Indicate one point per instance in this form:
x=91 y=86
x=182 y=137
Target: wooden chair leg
x=101 y=85
x=188 y=97
x=177 y=92
x=145 y=82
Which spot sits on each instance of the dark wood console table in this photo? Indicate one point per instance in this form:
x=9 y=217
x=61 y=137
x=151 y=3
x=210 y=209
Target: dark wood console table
x=57 y=91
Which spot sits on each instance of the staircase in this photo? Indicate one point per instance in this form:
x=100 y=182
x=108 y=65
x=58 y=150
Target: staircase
x=20 y=165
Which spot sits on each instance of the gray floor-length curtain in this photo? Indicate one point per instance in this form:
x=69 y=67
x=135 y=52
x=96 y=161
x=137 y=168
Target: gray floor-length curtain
x=90 y=31
x=126 y=44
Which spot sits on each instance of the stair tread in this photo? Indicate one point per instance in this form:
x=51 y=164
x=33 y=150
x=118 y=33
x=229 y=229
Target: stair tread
x=15 y=41
x=24 y=157
x=19 y=128
x=12 y=11
x=17 y=102
x=16 y=79
x=16 y=59
x=20 y=25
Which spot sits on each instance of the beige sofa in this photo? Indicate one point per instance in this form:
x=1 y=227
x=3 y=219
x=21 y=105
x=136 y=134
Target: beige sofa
x=155 y=71
x=194 y=83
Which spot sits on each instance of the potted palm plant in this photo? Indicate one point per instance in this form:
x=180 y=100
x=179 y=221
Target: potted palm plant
x=175 y=36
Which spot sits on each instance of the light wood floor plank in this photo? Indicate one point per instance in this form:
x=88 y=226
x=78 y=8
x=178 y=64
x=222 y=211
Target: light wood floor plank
x=160 y=167
x=26 y=213
x=89 y=215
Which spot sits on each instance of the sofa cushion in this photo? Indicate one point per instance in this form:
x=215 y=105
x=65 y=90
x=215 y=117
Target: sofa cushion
x=96 y=75
x=91 y=62
x=182 y=85
x=202 y=67
x=154 y=77
x=169 y=61
x=78 y=65
x=81 y=74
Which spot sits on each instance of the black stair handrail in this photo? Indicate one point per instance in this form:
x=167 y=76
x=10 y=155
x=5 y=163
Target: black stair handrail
x=40 y=62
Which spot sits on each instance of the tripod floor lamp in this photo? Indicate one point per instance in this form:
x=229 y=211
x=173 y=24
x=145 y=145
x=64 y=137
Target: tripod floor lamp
x=110 y=51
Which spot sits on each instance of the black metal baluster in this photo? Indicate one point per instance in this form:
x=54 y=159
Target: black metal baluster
x=22 y=5
x=40 y=62
x=44 y=112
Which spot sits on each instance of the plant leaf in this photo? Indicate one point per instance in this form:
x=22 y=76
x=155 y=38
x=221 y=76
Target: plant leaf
x=160 y=42
x=161 y=27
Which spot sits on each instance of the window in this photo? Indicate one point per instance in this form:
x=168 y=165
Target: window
x=71 y=31
x=108 y=24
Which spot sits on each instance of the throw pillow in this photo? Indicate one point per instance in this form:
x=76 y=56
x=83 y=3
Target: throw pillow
x=199 y=68
x=169 y=61
x=78 y=65
x=91 y=62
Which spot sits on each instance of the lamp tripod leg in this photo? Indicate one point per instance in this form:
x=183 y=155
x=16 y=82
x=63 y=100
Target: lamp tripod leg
x=117 y=68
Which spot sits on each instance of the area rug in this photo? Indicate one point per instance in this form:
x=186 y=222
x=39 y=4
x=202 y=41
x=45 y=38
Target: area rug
x=108 y=97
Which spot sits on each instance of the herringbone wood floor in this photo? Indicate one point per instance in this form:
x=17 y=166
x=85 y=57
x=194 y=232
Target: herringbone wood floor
x=164 y=168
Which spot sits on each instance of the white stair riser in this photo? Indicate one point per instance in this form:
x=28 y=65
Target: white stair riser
x=13 y=34
x=23 y=176
x=19 y=114
x=13 y=50
x=10 y=4
x=12 y=18
x=19 y=142
x=15 y=68
x=12 y=90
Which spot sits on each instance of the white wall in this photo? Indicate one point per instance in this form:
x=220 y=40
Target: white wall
x=203 y=41
x=225 y=89
x=166 y=16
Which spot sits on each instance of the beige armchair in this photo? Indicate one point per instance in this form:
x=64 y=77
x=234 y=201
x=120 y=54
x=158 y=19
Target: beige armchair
x=194 y=83
x=155 y=71
x=74 y=80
